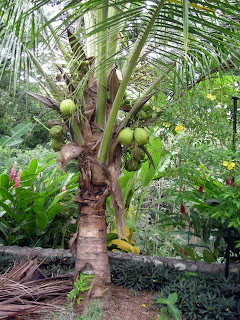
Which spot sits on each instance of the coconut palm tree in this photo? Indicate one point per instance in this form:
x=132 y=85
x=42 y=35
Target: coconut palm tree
x=102 y=53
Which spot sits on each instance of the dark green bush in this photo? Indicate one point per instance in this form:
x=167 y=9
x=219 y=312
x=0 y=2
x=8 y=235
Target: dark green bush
x=200 y=296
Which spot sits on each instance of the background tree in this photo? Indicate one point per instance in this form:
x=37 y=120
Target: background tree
x=175 y=42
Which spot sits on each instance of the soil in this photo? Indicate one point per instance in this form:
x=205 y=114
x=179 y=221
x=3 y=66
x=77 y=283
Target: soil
x=127 y=304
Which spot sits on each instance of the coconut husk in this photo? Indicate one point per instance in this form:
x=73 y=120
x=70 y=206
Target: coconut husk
x=22 y=294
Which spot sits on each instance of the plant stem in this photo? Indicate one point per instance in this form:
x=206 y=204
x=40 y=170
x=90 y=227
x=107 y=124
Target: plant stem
x=129 y=67
x=76 y=131
x=101 y=67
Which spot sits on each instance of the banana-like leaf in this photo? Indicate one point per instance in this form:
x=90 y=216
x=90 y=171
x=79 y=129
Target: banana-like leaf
x=16 y=134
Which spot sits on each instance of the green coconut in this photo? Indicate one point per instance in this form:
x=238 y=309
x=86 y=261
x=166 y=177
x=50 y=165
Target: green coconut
x=68 y=107
x=132 y=165
x=146 y=107
x=138 y=153
x=56 y=144
x=56 y=132
x=141 y=136
x=125 y=137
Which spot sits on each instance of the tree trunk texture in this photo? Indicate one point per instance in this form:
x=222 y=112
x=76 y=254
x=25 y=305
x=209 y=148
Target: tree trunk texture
x=91 y=250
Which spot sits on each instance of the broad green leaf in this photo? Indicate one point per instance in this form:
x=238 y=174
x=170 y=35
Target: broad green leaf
x=147 y=169
x=191 y=253
x=33 y=166
x=6 y=208
x=4 y=181
x=53 y=210
x=208 y=256
x=162 y=301
x=16 y=134
x=41 y=220
x=4 y=229
x=5 y=195
x=175 y=312
x=111 y=236
x=172 y=298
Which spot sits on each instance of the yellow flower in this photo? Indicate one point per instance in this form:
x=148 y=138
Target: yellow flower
x=227 y=309
x=179 y=128
x=231 y=166
x=225 y=163
x=154 y=108
x=166 y=124
x=154 y=280
x=157 y=109
x=210 y=96
x=144 y=305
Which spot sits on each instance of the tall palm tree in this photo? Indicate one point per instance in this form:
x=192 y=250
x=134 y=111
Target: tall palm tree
x=97 y=47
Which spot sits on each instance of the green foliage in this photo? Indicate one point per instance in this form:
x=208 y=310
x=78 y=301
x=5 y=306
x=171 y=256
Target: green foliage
x=207 y=297
x=81 y=285
x=16 y=134
x=142 y=276
x=200 y=296
x=22 y=157
x=37 y=212
x=170 y=308
x=211 y=205
x=93 y=312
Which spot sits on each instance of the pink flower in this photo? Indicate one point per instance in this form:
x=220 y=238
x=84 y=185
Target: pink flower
x=180 y=189
x=182 y=209
x=108 y=229
x=18 y=178
x=40 y=175
x=72 y=220
x=13 y=171
x=228 y=182
x=200 y=189
x=63 y=189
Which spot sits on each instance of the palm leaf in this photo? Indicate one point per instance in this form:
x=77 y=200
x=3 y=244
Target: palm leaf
x=16 y=134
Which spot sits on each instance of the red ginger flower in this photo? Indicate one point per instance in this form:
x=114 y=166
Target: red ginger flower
x=200 y=189
x=228 y=182
x=18 y=178
x=13 y=171
x=182 y=209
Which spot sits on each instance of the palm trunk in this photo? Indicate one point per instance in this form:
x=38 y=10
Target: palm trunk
x=91 y=251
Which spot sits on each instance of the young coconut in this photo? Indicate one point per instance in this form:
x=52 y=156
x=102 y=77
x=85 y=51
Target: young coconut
x=132 y=165
x=138 y=153
x=56 y=132
x=56 y=144
x=68 y=107
x=141 y=136
x=125 y=137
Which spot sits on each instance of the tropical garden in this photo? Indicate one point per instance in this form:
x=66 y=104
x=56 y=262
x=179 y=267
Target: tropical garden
x=119 y=132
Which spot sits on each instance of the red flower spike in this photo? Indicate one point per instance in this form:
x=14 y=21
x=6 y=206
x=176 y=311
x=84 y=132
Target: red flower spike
x=182 y=209
x=228 y=182
x=200 y=189
x=180 y=189
x=181 y=250
x=185 y=253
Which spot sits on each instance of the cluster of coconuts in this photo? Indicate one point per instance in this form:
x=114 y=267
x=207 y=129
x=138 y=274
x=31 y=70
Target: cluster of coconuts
x=145 y=113
x=67 y=108
x=126 y=137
